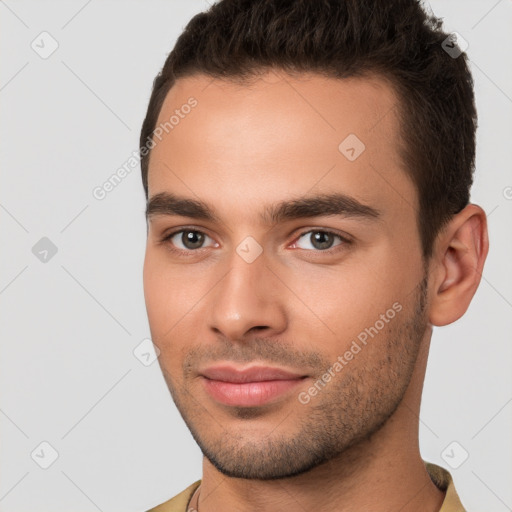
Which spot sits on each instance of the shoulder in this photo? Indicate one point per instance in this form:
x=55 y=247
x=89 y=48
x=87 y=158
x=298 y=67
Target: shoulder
x=443 y=480
x=179 y=502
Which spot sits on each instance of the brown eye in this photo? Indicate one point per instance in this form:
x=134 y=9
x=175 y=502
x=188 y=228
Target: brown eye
x=187 y=239
x=320 y=240
x=192 y=239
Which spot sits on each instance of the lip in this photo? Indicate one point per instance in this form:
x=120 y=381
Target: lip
x=227 y=373
x=249 y=387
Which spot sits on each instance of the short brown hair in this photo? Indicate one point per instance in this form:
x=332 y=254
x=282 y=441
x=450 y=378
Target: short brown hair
x=395 y=39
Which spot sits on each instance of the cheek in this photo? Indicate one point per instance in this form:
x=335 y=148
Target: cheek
x=163 y=294
x=345 y=303
x=153 y=289
x=170 y=295
x=164 y=283
x=346 y=294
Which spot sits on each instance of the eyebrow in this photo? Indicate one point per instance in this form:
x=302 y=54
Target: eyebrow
x=165 y=203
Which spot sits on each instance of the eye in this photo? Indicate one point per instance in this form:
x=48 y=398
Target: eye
x=320 y=240
x=186 y=239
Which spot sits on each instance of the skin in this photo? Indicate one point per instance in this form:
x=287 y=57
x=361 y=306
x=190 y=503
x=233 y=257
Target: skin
x=354 y=446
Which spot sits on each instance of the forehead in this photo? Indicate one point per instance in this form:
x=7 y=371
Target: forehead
x=280 y=134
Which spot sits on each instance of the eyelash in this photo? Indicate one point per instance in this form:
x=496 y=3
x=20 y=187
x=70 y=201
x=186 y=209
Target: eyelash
x=190 y=252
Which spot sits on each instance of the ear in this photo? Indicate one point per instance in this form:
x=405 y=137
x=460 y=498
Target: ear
x=456 y=265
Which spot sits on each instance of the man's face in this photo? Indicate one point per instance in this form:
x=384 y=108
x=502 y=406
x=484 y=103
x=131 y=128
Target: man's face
x=299 y=291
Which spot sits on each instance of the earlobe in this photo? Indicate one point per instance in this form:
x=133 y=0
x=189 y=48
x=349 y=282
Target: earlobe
x=460 y=252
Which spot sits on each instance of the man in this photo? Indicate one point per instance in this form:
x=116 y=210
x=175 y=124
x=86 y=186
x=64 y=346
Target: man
x=307 y=166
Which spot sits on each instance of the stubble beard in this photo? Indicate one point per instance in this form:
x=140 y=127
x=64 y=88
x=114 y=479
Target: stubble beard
x=355 y=405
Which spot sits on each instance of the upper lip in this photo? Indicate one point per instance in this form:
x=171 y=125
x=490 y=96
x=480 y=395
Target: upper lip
x=253 y=374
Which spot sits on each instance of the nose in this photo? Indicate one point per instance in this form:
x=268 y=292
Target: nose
x=248 y=297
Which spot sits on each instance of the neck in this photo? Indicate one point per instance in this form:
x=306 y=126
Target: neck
x=383 y=473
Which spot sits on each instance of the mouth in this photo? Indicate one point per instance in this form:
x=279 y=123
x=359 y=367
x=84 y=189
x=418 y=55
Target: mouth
x=249 y=387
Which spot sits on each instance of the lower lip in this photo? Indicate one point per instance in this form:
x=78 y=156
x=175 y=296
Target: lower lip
x=248 y=393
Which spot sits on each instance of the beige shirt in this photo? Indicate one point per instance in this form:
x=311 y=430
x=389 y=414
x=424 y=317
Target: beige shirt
x=440 y=476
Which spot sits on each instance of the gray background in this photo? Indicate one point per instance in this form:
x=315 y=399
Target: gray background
x=68 y=374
